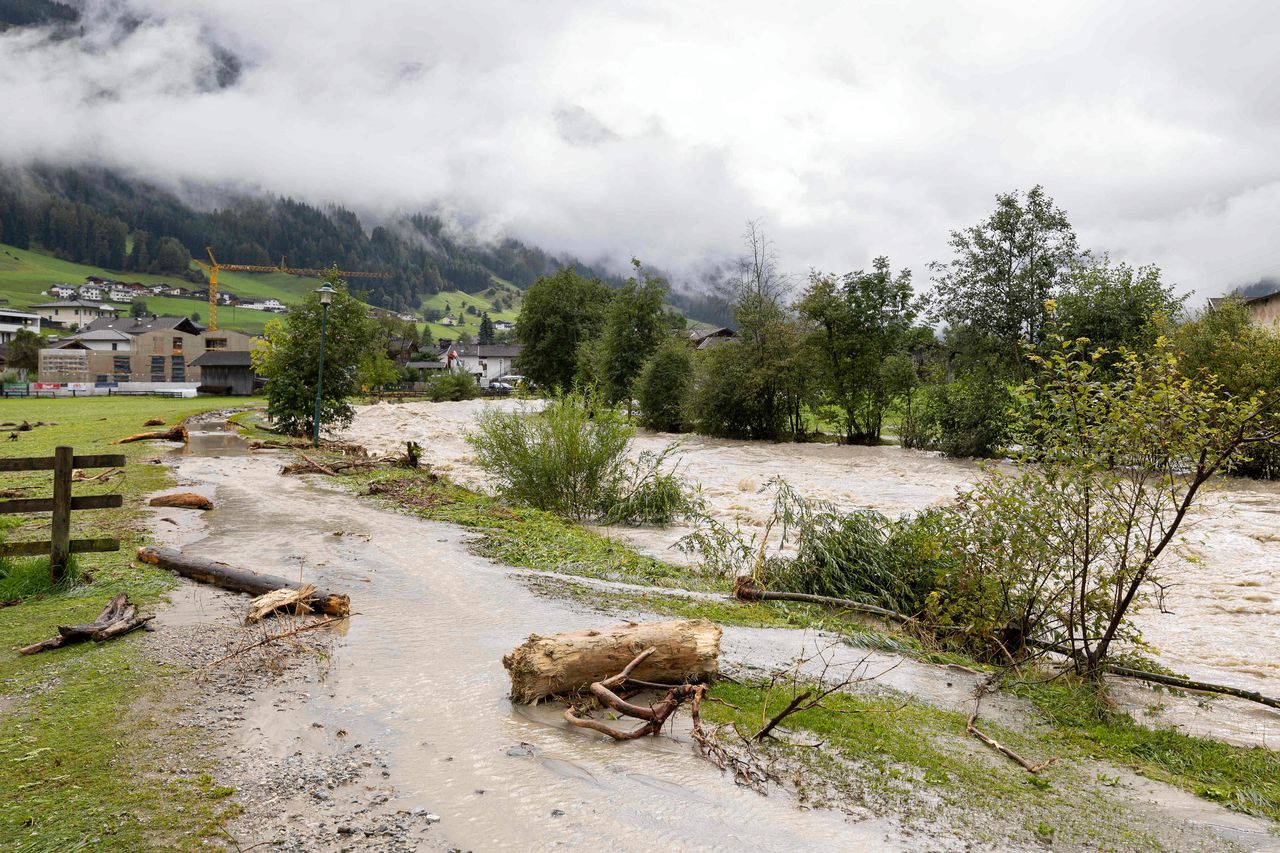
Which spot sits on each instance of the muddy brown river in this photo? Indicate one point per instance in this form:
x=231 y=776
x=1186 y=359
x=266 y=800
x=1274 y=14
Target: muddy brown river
x=1224 y=598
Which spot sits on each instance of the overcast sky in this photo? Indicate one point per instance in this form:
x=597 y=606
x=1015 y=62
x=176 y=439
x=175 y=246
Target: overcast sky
x=849 y=130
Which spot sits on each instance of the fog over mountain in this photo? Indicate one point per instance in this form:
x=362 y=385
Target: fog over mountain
x=657 y=129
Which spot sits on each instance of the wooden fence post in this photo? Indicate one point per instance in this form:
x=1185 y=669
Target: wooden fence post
x=60 y=546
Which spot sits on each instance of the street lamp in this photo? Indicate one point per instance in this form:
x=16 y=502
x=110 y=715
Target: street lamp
x=326 y=296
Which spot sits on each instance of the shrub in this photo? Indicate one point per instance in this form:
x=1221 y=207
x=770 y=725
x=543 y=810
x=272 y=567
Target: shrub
x=451 y=386
x=968 y=417
x=663 y=386
x=570 y=459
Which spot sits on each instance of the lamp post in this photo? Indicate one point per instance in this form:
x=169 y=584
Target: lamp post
x=326 y=296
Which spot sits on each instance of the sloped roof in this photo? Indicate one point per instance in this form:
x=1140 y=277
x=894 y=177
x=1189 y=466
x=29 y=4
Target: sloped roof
x=223 y=358
x=485 y=350
x=76 y=303
x=141 y=325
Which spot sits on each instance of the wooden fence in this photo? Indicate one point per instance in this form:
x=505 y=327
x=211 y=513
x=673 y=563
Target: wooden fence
x=60 y=545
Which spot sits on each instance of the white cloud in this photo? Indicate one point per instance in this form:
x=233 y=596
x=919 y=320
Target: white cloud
x=656 y=129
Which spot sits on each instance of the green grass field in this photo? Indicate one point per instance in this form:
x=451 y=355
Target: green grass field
x=456 y=303
x=25 y=274
x=77 y=763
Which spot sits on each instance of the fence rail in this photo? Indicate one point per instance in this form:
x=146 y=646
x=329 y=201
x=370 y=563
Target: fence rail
x=60 y=545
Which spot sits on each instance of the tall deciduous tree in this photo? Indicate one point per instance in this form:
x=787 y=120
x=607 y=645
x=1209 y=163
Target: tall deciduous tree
x=633 y=328
x=560 y=313
x=1004 y=270
x=290 y=360
x=860 y=321
x=1116 y=305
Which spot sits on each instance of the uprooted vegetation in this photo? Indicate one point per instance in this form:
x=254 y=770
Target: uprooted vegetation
x=570 y=458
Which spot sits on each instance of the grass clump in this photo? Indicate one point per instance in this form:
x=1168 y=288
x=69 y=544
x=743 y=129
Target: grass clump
x=880 y=750
x=570 y=459
x=523 y=536
x=1244 y=779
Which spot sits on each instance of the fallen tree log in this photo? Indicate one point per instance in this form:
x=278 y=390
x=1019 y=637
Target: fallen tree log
x=183 y=500
x=221 y=575
x=748 y=590
x=683 y=651
x=119 y=617
x=1166 y=680
x=332 y=469
x=178 y=433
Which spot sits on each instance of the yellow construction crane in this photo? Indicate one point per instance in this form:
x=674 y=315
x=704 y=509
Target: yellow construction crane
x=213 y=266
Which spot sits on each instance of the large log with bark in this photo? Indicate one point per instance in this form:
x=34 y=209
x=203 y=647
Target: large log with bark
x=221 y=575
x=685 y=650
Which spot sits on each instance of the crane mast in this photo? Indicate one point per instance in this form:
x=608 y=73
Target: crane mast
x=214 y=266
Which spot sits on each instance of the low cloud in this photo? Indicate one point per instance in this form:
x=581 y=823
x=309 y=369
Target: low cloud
x=656 y=129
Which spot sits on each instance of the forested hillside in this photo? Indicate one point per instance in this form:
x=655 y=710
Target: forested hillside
x=102 y=218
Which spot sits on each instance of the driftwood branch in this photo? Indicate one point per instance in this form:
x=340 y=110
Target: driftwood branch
x=748 y=590
x=272 y=638
x=119 y=617
x=1188 y=684
x=655 y=715
x=178 y=433
x=1004 y=750
x=1167 y=680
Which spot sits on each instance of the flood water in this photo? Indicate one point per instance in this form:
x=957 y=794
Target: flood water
x=1224 y=623
x=419 y=673
x=417 y=676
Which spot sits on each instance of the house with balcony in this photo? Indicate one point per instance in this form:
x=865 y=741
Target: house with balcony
x=78 y=312
x=12 y=321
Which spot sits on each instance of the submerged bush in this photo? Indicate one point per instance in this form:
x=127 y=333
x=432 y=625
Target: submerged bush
x=968 y=417
x=451 y=386
x=570 y=459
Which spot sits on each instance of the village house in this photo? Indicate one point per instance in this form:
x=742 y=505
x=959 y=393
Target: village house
x=70 y=312
x=120 y=293
x=708 y=338
x=92 y=292
x=1263 y=310
x=157 y=289
x=11 y=321
x=486 y=362
x=62 y=291
x=503 y=325
x=147 y=349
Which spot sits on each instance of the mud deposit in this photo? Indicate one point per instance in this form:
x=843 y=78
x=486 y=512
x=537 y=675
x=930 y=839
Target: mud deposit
x=396 y=734
x=1224 y=623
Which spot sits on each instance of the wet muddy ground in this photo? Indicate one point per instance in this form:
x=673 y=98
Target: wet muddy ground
x=396 y=734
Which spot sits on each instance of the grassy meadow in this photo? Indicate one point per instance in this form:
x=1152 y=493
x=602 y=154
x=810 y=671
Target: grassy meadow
x=73 y=754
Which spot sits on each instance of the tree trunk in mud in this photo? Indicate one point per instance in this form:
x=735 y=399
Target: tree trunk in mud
x=684 y=651
x=178 y=433
x=238 y=580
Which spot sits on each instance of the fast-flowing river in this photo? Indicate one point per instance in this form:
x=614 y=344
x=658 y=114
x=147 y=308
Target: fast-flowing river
x=1224 y=597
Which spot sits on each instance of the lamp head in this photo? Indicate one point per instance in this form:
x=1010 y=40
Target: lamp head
x=326 y=292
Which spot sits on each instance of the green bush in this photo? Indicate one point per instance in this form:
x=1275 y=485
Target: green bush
x=968 y=417
x=451 y=386
x=866 y=556
x=570 y=459
x=663 y=386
